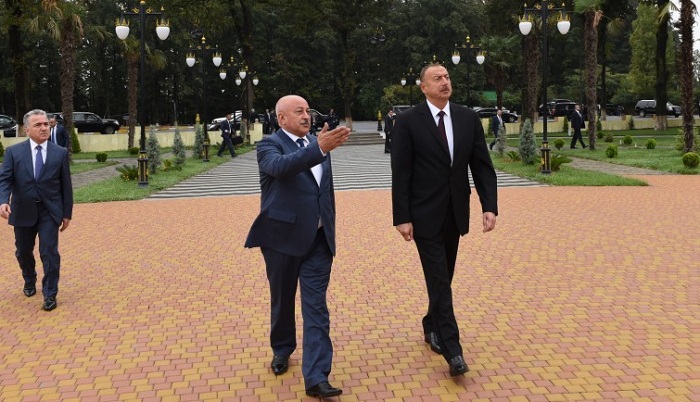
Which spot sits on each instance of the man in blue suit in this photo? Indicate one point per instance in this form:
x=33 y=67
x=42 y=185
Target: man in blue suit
x=59 y=134
x=35 y=176
x=295 y=231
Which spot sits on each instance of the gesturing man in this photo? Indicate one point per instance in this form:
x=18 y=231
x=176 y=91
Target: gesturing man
x=296 y=233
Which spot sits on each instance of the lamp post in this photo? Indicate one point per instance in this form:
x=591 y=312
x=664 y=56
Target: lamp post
x=470 y=49
x=162 y=30
x=545 y=9
x=190 y=60
x=408 y=78
x=243 y=74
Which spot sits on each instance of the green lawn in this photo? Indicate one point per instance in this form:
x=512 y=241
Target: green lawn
x=117 y=189
x=664 y=157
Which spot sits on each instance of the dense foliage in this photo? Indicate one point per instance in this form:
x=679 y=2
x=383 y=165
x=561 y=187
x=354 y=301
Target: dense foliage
x=322 y=50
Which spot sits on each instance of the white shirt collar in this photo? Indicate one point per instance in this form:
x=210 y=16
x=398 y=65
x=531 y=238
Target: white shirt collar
x=33 y=144
x=434 y=110
x=295 y=137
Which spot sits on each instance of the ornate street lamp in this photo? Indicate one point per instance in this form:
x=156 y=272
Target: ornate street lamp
x=378 y=36
x=408 y=78
x=471 y=50
x=216 y=59
x=544 y=9
x=243 y=74
x=162 y=30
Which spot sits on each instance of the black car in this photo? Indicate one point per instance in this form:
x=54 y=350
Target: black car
x=558 y=107
x=216 y=123
x=87 y=122
x=8 y=126
x=647 y=106
x=489 y=112
x=318 y=119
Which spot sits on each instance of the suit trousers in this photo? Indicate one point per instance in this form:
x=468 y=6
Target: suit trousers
x=226 y=143
x=25 y=239
x=438 y=256
x=312 y=272
x=577 y=137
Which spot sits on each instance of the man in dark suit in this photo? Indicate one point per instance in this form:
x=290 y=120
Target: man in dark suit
x=388 y=126
x=226 y=137
x=59 y=134
x=35 y=178
x=496 y=123
x=577 y=124
x=433 y=144
x=296 y=233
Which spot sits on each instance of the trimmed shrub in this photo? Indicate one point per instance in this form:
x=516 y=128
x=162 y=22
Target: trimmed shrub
x=2 y=150
x=153 y=151
x=627 y=140
x=598 y=125
x=101 y=157
x=558 y=144
x=179 y=149
x=611 y=152
x=630 y=123
x=134 y=151
x=565 y=126
x=691 y=160
x=501 y=140
x=651 y=143
x=198 y=142
x=599 y=134
x=608 y=137
x=75 y=142
x=527 y=147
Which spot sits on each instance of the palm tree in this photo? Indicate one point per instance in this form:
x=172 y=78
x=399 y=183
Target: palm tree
x=500 y=61
x=664 y=15
x=592 y=15
x=686 y=71
x=19 y=10
x=64 y=21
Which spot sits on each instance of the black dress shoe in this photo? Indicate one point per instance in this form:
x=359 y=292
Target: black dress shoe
x=432 y=339
x=49 y=303
x=323 y=390
x=280 y=364
x=458 y=366
x=29 y=289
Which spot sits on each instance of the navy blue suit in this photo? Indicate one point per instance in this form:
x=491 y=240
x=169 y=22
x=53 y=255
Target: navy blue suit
x=295 y=249
x=38 y=207
x=226 y=139
x=61 y=136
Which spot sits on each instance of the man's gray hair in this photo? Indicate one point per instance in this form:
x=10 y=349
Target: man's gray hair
x=34 y=112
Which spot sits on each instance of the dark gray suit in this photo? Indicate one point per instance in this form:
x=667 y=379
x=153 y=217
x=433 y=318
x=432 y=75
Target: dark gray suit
x=295 y=249
x=38 y=207
x=432 y=193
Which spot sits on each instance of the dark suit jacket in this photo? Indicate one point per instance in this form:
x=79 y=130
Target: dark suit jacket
x=291 y=200
x=225 y=128
x=389 y=123
x=577 y=120
x=495 y=125
x=424 y=182
x=62 y=136
x=53 y=187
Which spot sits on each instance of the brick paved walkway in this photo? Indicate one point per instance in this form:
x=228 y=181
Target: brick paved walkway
x=582 y=293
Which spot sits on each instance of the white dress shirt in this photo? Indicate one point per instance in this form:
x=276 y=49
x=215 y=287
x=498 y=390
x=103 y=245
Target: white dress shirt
x=447 y=119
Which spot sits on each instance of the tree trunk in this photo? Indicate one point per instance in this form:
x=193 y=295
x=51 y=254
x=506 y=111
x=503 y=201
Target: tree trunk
x=590 y=45
x=661 y=71
x=531 y=59
x=132 y=66
x=17 y=60
x=67 y=74
x=603 y=62
x=686 y=72
x=348 y=82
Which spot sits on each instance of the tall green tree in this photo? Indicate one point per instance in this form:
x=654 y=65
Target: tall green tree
x=501 y=51
x=592 y=16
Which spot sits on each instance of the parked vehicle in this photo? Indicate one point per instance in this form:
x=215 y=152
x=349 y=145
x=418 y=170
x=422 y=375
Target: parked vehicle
x=318 y=119
x=558 y=107
x=8 y=126
x=216 y=123
x=488 y=112
x=87 y=122
x=648 y=107
x=400 y=108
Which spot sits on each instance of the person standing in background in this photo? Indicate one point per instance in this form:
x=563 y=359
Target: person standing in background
x=59 y=134
x=388 y=126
